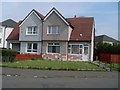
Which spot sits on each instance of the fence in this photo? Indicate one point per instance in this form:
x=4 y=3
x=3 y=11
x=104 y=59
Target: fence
x=109 y=58
x=27 y=56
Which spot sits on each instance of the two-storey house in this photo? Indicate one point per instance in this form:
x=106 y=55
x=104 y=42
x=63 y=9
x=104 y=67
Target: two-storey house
x=54 y=36
x=6 y=28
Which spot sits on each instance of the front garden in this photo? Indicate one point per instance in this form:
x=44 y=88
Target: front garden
x=53 y=65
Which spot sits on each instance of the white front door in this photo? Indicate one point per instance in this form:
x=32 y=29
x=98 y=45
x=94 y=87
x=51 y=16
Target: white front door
x=85 y=56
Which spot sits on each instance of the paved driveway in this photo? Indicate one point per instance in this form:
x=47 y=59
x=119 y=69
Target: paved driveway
x=26 y=78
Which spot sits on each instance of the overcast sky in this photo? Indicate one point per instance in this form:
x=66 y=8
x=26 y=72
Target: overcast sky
x=105 y=13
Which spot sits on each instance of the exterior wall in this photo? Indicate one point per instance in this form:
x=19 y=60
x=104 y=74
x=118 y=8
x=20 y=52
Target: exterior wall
x=61 y=55
x=23 y=47
x=79 y=57
x=54 y=19
x=5 y=32
x=32 y=20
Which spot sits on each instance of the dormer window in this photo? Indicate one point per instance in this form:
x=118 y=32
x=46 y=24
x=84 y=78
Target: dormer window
x=32 y=30
x=53 y=29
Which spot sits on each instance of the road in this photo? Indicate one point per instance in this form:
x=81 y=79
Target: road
x=26 y=78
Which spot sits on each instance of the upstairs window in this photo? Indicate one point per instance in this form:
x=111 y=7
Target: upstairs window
x=53 y=29
x=32 y=30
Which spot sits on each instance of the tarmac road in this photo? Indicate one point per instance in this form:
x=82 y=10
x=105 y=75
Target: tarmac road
x=26 y=78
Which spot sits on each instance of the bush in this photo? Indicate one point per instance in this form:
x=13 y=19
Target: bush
x=107 y=48
x=8 y=55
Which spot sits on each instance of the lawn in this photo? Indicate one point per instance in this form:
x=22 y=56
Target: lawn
x=53 y=65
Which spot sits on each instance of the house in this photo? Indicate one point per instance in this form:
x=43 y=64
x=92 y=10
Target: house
x=54 y=37
x=6 y=28
x=105 y=39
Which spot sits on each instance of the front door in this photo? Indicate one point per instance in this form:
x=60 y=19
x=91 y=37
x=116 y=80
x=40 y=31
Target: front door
x=85 y=52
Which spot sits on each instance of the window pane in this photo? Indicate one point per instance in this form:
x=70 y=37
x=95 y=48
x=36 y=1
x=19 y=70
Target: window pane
x=85 y=50
x=0 y=40
x=50 y=49
x=75 y=49
x=50 y=43
x=29 y=46
x=68 y=50
x=57 y=44
x=35 y=46
x=34 y=30
x=80 y=51
x=57 y=49
x=80 y=46
x=29 y=30
x=29 y=50
x=0 y=30
x=69 y=46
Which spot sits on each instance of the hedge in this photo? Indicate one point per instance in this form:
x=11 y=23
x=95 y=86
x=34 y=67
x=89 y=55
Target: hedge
x=8 y=55
x=108 y=48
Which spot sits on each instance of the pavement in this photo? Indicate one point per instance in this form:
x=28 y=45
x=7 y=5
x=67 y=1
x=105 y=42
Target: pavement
x=27 y=78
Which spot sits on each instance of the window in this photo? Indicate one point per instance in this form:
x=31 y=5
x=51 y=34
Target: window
x=53 y=48
x=53 y=29
x=75 y=49
x=85 y=49
x=31 y=47
x=32 y=30
x=0 y=30
x=0 y=40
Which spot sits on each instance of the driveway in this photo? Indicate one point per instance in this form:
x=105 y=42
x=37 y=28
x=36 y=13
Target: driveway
x=26 y=78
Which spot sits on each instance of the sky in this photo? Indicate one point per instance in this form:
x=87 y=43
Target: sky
x=104 y=13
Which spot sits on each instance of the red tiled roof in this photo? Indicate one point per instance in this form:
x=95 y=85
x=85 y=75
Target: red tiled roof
x=39 y=14
x=81 y=26
x=14 y=35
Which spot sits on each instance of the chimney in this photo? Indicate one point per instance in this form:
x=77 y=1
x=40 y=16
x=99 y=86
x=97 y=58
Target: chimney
x=75 y=16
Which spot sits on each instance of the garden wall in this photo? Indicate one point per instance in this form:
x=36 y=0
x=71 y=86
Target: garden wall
x=27 y=56
x=109 y=58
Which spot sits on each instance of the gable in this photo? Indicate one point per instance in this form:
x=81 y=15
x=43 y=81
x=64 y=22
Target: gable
x=37 y=14
x=58 y=14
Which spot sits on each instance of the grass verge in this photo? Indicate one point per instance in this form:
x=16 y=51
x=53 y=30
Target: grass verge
x=53 y=65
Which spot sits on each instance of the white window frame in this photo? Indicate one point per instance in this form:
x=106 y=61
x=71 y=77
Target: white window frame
x=32 y=30
x=79 y=49
x=84 y=49
x=31 y=48
x=51 y=26
x=52 y=45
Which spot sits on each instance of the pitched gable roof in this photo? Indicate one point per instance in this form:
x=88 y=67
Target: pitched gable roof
x=39 y=15
x=14 y=35
x=59 y=14
x=82 y=30
x=9 y=23
x=102 y=38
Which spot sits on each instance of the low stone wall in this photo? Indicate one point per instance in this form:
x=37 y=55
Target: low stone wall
x=62 y=57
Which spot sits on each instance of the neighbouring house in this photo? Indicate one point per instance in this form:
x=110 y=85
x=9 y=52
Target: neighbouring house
x=6 y=28
x=54 y=37
x=105 y=39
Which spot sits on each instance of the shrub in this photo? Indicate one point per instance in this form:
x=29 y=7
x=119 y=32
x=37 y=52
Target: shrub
x=8 y=55
x=108 y=48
